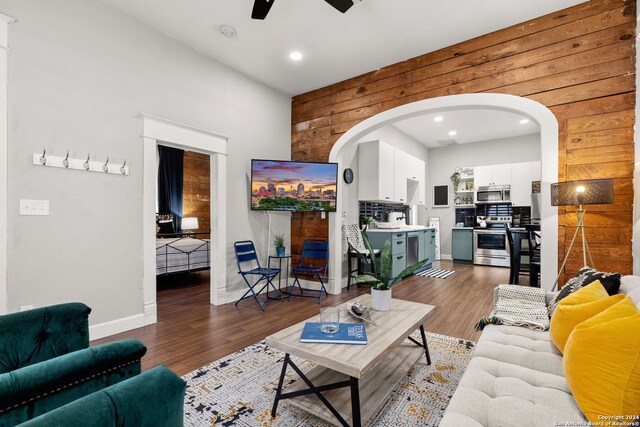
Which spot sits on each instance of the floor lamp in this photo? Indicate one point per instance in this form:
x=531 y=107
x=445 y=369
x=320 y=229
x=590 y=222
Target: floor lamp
x=580 y=193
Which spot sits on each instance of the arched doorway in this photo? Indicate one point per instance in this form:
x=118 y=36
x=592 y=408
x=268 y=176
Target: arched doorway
x=526 y=107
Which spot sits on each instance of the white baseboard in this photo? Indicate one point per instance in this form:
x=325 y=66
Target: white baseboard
x=113 y=327
x=446 y=257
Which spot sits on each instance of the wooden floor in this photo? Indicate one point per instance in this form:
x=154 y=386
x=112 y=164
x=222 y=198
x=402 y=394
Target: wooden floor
x=191 y=333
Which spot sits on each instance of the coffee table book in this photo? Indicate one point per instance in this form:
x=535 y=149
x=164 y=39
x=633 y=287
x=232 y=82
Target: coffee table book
x=348 y=333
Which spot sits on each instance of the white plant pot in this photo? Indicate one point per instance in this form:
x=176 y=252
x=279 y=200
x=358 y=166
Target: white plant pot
x=381 y=300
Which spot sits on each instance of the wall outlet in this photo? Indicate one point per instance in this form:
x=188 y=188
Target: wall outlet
x=34 y=207
x=26 y=307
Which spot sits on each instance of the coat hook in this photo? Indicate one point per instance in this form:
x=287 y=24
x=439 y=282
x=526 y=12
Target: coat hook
x=43 y=158
x=86 y=164
x=65 y=162
x=105 y=167
x=123 y=171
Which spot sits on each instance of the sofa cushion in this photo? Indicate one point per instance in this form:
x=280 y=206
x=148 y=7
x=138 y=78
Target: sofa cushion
x=587 y=275
x=602 y=362
x=495 y=393
x=630 y=285
x=520 y=346
x=576 y=308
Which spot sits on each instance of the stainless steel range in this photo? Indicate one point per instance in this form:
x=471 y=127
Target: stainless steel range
x=490 y=245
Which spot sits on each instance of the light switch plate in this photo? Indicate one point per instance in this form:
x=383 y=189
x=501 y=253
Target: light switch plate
x=34 y=207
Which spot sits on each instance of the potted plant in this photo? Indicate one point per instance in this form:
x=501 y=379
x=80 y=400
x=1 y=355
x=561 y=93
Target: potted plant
x=365 y=221
x=381 y=282
x=278 y=240
x=455 y=180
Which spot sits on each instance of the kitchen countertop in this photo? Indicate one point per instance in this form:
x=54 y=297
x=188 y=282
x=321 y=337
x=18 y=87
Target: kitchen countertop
x=399 y=230
x=462 y=228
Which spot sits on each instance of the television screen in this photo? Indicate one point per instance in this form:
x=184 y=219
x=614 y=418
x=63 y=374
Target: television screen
x=293 y=186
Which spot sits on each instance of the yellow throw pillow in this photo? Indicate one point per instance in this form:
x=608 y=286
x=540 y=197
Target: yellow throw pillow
x=602 y=362
x=576 y=308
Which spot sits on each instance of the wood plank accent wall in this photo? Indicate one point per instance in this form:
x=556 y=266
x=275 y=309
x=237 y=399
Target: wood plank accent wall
x=196 y=190
x=579 y=62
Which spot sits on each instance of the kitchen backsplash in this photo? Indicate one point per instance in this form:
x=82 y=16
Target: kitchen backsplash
x=380 y=211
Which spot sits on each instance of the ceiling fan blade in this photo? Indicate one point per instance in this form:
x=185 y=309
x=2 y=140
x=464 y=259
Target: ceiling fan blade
x=261 y=8
x=341 y=5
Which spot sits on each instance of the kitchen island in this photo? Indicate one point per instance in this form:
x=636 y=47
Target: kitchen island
x=409 y=245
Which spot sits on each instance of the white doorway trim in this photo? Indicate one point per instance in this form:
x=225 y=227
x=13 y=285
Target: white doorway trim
x=549 y=146
x=157 y=131
x=4 y=156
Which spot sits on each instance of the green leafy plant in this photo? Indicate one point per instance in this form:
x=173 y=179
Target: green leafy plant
x=365 y=220
x=383 y=281
x=279 y=241
x=455 y=180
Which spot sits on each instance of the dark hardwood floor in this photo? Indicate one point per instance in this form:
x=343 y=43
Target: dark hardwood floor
x=191 y=333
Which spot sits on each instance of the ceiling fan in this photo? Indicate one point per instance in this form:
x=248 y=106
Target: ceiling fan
x=261 y=7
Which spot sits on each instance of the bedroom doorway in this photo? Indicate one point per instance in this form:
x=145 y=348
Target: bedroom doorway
x=183 y=224
x=162 y=132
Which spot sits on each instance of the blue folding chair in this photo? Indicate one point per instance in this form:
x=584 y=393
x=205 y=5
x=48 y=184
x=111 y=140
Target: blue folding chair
x=313 y=262
x=246 y=255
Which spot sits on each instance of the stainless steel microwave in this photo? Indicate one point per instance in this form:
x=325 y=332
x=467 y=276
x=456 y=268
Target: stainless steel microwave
x=494 y=194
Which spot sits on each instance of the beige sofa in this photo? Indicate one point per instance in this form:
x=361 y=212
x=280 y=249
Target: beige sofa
x=515 y=378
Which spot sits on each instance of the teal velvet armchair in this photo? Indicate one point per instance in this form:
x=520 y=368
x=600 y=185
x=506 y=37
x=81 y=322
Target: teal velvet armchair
x=152 y=399
x=46 y=362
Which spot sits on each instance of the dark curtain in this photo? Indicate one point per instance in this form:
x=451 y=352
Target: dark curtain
x=170 y=174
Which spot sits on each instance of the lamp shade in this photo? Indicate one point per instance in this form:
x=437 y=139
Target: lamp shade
x=586 y=192
x=189 y=223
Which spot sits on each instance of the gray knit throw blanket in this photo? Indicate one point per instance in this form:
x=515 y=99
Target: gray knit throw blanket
x=519 y=306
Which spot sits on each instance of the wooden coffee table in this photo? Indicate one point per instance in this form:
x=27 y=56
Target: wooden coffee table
x=347 y=375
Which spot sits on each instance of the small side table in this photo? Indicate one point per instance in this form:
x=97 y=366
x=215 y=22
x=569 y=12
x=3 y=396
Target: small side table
x=286 y=258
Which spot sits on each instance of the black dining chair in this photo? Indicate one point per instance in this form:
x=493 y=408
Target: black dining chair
x=313 y=263
x=533 y=237
x=249 y=265
x=516 y=252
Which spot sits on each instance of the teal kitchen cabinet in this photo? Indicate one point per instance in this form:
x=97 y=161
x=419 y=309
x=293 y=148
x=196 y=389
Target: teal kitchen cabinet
x=462 y=244
x=398 y=247
x=430 y=244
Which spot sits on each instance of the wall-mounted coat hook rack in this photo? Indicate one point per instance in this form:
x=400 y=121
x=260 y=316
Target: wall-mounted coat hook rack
x=42 y=159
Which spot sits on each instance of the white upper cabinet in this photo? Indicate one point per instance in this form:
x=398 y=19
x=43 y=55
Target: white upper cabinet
x=388 y=174
x=401 y=166
x=376 y=170
x=536 y=171
x=482 y=176
x=521 y=184
x=501 y=174
x=416 y=182
x=492 y=175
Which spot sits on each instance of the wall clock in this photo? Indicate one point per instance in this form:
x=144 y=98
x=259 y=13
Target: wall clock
x=348 y=176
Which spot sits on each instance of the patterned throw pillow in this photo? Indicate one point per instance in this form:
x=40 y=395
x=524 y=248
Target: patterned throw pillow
x=610 y=281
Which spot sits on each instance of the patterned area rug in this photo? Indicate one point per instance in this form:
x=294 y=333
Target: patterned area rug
x=436 y=272
x=238 y=390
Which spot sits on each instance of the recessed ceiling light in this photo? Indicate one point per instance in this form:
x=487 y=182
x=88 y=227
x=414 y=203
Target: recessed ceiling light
x=438 y=118
x=452 y=133
x=524 y=121
x=228 y=31
x=295 y=56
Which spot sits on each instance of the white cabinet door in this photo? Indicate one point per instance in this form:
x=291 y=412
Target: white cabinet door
x=536 y=171
x=415 y=182
x=521 y=184
x=401 y=165
x=481 y=176
x=501 y=174
x=376 y=171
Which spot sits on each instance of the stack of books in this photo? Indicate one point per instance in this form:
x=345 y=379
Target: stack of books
x=348 y=333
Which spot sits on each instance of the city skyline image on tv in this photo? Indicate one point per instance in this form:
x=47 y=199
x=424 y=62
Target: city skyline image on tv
x=293 y=186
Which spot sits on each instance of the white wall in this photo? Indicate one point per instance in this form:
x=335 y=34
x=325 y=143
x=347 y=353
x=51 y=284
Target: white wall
x=444 y=160
x=80 y=73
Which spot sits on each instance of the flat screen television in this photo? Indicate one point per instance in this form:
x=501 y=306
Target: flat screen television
x=278 y=185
